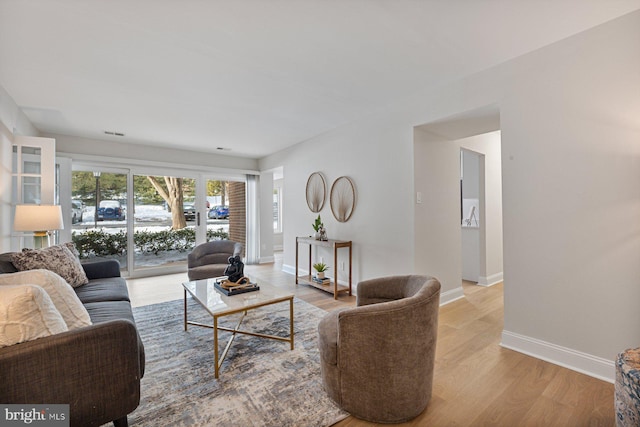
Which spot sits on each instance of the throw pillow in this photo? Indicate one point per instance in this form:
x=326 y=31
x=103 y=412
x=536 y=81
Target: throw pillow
x=72 y=247
x=27 y=313
x=58 y=259
x=60 y=292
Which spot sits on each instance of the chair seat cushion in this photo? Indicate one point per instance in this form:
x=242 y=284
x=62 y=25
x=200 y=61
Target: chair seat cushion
x=206 y=271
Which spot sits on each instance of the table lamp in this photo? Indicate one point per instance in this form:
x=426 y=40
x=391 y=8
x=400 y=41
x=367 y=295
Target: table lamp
x=40 y=219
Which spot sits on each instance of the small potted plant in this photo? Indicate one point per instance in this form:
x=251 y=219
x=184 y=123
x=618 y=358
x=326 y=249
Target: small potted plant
x=320 y=268
x=318 y=226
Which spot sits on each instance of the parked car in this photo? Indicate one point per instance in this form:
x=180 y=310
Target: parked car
x=189 y=209
x=77 y=208
x=219 y=212
x=111 y=210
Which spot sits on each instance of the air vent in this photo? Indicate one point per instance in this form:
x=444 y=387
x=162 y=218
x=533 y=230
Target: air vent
x=108 y=132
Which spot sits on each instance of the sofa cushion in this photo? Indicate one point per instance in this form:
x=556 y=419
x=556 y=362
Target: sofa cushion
x=27 y=313
x=58 y=259
x=102 y=311
x=105 y=289
x=61 y=293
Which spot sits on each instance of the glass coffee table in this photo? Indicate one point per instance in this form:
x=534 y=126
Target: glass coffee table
x=219 y=305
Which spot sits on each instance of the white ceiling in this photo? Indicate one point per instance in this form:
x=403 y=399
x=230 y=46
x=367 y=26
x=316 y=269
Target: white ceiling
x=255 y=76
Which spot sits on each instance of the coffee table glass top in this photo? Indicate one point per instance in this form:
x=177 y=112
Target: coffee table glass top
x=217 y=303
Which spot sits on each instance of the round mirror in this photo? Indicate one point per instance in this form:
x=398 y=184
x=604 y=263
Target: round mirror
x=343 y=198
x=316 y=192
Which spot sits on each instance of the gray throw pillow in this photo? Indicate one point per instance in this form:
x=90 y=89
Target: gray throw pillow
x=58 y=259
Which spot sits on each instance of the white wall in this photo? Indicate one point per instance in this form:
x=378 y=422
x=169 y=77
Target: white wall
x=571 y=150
x=471 y=174
x=570 y=120
x=438 y=249
x=378 y=226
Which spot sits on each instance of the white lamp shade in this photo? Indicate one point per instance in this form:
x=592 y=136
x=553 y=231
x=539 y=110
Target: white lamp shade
x=38 y=218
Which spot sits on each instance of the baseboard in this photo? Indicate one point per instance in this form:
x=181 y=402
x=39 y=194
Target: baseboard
x=289 y=269
x=266 y=260
x=490 y=280
x=451 y=296
x=584 y=363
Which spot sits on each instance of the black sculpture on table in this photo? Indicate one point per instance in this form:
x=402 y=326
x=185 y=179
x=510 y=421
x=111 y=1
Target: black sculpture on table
x=235 y=269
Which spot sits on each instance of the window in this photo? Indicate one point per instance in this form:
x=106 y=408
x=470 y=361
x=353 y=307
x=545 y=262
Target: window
x=277 y=210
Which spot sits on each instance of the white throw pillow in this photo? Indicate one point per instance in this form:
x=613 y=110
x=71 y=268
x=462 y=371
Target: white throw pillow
x=60 y=292
x=27 y=313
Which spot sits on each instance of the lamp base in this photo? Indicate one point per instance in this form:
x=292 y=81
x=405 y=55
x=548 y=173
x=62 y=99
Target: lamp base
x=40 y=239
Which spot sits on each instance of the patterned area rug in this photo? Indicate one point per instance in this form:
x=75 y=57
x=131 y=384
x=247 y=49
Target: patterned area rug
x=262 y=382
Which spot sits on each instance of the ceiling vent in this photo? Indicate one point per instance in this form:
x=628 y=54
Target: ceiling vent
x=108 y=132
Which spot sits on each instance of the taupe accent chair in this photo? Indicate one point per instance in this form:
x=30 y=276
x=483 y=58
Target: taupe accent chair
x=211 y=259
x=377 y=358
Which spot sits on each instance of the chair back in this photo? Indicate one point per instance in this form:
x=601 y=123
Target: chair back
x=213 y=252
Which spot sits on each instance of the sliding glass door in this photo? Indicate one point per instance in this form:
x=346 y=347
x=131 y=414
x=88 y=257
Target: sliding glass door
x=99 y=214
x=150 y=221
x=164 y=221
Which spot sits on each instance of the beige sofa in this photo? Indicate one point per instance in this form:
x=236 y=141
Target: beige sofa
x=377 y=358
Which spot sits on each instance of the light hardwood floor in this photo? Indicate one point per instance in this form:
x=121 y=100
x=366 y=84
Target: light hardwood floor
x=476 y=382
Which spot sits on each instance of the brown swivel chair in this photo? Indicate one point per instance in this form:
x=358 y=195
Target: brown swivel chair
x=211 y=259
x=377 y=358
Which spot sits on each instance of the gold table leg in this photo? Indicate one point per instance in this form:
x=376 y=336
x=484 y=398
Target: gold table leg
x=215 y=346
x=291 y=321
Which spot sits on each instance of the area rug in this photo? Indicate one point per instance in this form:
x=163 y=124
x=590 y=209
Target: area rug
x=262 y=382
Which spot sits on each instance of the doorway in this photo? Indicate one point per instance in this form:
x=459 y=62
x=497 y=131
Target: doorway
x=470 y=195
x=439 y=210
x=481 y=208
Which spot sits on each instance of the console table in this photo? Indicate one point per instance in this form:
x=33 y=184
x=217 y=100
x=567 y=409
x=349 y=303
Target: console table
x=334 y=287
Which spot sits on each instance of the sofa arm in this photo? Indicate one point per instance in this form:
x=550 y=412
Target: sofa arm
x=101 y=269
x=95 y=369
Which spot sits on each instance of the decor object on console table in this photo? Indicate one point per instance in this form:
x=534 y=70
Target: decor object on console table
x=335 y=245
x=394 y=384
x=41 y=219
x=627 y=388
x=320 y=268
x=318 y=226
